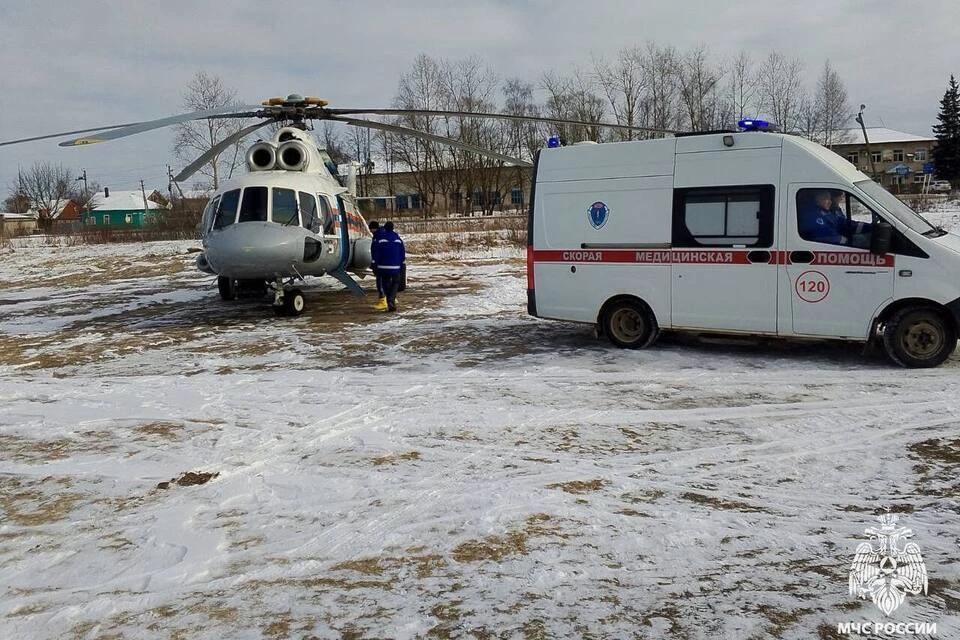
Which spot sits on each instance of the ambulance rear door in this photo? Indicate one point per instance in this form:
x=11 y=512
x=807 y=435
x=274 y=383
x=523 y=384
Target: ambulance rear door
x=724 y=274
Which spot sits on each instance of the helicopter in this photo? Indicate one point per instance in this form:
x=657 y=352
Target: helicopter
x=290 y=216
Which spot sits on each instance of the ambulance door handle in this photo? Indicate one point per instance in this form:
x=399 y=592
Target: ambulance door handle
x=801 y=257
x=758 y=257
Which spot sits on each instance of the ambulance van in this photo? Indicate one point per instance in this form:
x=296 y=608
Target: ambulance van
x=729 y=233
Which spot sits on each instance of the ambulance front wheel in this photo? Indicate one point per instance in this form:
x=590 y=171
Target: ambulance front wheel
x=919 y=337
x=630 y=324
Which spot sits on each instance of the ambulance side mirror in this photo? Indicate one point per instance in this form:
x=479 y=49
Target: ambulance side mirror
x=881 y=237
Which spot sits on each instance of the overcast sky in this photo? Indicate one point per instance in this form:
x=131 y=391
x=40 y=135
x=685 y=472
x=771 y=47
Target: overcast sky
x=89 y=63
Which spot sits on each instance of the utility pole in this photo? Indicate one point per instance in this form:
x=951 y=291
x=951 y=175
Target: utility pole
x=873 y=168
x=84 y=178
x=20 y=192
x=171 y=182
x=146 y=208
x=86 y=192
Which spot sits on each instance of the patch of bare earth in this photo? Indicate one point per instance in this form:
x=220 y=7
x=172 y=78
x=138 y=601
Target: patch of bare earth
x=35 y=502
x=189 y=479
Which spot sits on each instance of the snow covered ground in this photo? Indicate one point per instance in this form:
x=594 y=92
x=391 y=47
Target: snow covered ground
x=174 y=466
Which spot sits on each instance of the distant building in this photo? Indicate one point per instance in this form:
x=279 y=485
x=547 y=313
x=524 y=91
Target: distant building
x=16 y=224
x=898 y=158
x=479 y=191
x=122 y=209
x=61 y=210
x=64 y=210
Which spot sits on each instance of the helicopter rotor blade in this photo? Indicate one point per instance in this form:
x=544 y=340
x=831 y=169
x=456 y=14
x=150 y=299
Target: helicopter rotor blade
x=236 y=111
x=429 y=136
x=494 y=116
x=192 y=168
x=67 y=133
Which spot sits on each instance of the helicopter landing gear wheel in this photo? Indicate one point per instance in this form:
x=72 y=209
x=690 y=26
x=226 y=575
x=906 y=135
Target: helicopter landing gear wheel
x=293 y=303
x=227 y=288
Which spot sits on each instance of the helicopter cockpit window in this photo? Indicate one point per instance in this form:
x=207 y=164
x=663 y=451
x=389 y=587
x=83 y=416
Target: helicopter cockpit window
x=253 y=208
x=227 y=212
x=326 y=215
x=209 y=211
x=285 y=206
x=308 y=209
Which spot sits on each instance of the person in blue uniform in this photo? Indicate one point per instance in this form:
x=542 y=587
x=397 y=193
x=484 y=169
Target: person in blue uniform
x=381 y=303
x=389 y=255
x=821 y=222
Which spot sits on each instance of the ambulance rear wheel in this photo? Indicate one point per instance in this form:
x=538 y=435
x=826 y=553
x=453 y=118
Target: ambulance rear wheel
x=919 y=337
x=630 y=324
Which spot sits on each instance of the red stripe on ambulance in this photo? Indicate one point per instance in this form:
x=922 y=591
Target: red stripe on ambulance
x=852 y=259
x=705 y=256
x=643 y=256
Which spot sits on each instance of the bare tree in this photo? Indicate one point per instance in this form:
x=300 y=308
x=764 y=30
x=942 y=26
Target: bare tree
x=699 y=82
x=743 y=86
x=781 y=89
x=16 y=201
x=573 y=98
x=661 y=104
x=832 y=108
x=338 y=150
x=525 y=137
x=359 y=141
x=471 y=86
x=420 y=88
x=623 y=84
x=808 y=119
x=47 y=187
x=196 y=137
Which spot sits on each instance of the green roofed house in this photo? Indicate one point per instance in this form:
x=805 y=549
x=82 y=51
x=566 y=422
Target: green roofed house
x=121 y=209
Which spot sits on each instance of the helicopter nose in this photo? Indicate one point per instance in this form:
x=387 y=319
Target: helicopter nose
x=256 y=250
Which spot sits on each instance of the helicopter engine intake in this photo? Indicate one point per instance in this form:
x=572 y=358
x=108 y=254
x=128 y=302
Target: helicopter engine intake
x=261 y=156
x=293 y=156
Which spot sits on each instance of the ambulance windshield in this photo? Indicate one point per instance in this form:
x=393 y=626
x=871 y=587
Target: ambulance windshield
x=896 y=207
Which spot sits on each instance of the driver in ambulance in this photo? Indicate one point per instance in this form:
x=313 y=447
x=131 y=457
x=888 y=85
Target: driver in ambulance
x=820 y=221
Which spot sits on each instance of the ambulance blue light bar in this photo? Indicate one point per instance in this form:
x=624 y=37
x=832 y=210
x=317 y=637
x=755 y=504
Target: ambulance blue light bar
x=553 y=142
x=752 y=124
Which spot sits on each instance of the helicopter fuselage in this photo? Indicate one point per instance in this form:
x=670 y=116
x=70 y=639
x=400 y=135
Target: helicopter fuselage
x=286 y=218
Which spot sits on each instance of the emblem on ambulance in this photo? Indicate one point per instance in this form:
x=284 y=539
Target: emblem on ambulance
x=598 y=213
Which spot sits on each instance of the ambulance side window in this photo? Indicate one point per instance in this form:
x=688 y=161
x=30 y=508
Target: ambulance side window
x=833 y=216
x=723 y=216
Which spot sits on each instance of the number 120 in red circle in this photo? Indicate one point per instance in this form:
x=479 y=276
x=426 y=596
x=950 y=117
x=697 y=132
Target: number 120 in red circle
x=812 y=286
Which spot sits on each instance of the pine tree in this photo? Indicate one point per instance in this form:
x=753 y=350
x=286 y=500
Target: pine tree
x=946 y=155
